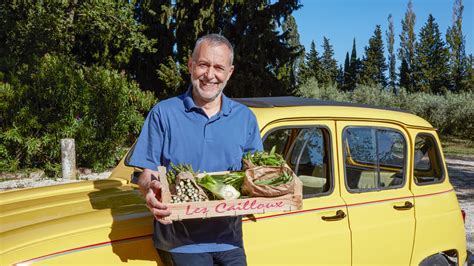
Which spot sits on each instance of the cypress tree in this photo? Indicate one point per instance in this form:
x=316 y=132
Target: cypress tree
x=355 y=67
x=346 y=77
x=431 y=61
x=292 y=38
x=328 y=63
x=340 y=77
x=373 y=64
x=260 y=49
x=156 y=70
x=312 y=67
x=390 y=34
x=458 y=61
x=406 y=52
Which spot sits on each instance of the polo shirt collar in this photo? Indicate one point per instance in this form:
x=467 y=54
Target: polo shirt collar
x=189 y=104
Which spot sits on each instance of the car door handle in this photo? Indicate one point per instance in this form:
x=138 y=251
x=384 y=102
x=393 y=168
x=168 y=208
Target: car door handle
x=408 y=205
x=339 y=215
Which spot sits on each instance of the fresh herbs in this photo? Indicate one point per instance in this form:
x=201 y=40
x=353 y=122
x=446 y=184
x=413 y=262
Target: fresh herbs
x=261 y=158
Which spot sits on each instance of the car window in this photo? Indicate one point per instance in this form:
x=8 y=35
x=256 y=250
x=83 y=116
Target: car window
x=306 y=151
x=374 y=158
x=427 y=161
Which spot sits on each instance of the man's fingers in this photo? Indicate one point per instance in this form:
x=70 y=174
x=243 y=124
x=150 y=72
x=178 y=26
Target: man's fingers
x=153 y=202
x=160 y=214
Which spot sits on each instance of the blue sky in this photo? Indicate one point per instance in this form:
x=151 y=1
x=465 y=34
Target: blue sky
x=343 y=20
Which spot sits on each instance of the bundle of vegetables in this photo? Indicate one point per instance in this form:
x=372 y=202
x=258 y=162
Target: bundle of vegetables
x=175 y=170
x=187 y=192
x=262 y=158
x=282 y=178
x=218 y=188
x=183 y=185
x=234 y=179
x=269 y=181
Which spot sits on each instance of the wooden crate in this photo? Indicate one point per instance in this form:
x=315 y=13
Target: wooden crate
x=217 y=208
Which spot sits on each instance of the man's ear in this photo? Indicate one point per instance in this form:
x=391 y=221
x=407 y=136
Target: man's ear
x=231 y=70
x=190 y=64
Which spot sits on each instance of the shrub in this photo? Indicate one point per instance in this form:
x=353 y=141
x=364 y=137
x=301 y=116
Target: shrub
x=452 y=113
x=100 y=108
x=311 y=89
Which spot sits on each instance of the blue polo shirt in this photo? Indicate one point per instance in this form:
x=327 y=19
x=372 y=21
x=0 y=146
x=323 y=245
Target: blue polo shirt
x=177 y=131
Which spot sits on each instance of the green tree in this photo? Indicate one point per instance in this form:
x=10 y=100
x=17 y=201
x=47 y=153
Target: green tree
x=328 y=63
x=390 y=34
x=64 y=71
x=458 y=61
x=355 y=67
x=94 y=32
x=373 y=64
x=431 y=61
x=262 y=49
x=156 y=70
x=346 y=74
x=58 y=98
x=340 y=77
x=406 y=52
x=312 y=67
x=289 y=71
x=470 y=86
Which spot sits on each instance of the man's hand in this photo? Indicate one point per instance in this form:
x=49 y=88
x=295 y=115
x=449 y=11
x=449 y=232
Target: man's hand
x=150 y=188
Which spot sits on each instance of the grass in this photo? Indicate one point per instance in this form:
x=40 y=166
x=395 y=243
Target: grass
x=456 y=147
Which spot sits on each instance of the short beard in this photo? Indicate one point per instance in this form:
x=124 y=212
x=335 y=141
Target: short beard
x=204 y=98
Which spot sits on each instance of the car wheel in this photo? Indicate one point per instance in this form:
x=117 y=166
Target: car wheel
x=436 y=259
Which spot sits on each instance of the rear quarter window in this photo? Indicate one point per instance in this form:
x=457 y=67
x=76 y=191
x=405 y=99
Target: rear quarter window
x=427 y=163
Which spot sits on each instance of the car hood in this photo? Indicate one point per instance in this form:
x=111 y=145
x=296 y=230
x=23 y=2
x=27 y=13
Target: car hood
x=32 y=216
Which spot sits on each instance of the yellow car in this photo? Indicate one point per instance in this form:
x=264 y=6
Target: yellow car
x=375 y=186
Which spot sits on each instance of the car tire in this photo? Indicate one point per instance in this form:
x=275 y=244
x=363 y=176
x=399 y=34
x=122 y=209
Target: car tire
x=436 y=259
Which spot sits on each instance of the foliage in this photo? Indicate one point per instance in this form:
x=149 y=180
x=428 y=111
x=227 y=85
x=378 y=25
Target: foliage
x=406 y=52
x=263 y=52
x=458 y=60
x=288 y=73
x=95 y=32
x=373 y=63
x=100 y=108
x=64 y=74
x=328 y=63
x=431 y=62
x=312 y=89
x=355 y=67
x=390 y=34
x=452 y=113
x=311 y=67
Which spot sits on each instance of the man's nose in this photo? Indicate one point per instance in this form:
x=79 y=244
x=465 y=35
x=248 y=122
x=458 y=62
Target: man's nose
x=210 y=73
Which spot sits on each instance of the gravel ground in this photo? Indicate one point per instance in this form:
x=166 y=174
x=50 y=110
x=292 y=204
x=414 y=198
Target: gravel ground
x=461 y=173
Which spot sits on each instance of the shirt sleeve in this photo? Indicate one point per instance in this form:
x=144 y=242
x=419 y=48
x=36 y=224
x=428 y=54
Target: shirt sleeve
x=254 y=141
x=148 y=148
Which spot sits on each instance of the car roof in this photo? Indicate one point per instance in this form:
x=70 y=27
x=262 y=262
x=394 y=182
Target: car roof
x=272 y=108
x=287 y=101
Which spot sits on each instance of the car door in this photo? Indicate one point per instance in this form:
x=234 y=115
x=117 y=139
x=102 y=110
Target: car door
x=374 y=186
x=438 y=220
x=319 y=233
